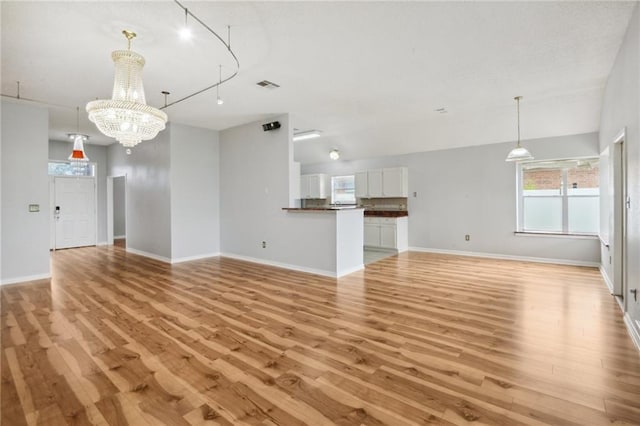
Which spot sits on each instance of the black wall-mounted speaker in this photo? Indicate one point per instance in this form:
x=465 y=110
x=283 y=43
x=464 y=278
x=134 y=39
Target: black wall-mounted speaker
x=271 y=126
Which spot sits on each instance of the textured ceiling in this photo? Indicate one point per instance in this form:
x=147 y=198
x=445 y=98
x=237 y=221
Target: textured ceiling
x=370 y=75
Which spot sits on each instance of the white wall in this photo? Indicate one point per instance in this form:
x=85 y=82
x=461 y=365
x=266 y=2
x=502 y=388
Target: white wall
x=620 y=110
x=119 y=207
x=473 y=191
x=60 y=150
x=172 y=193
x=195 y=192
x=254 y=182
x=148 y=194
x=24 y=153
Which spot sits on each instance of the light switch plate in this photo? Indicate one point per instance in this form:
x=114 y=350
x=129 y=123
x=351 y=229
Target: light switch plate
x=34 y=208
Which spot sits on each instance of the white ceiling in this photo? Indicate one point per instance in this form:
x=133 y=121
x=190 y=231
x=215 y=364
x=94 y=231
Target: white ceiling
x=368 y=74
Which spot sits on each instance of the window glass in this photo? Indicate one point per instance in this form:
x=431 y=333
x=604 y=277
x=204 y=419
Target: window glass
x=343 y=190
x=540 y=182
x=63 y=168
x=543 y=214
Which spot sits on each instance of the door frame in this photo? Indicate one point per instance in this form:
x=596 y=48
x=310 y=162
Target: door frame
x=110 y=206
x=620 y=216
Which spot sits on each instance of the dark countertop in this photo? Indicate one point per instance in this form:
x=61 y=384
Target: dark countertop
x=321 y=209
x=386 y=213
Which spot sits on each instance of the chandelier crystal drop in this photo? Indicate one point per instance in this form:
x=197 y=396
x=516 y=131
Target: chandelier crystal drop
x=126 y=116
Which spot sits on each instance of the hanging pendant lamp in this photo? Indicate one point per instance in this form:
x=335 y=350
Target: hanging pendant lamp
x=78 y=147
x=78 y=158
x=126 y=116
x=519 y=153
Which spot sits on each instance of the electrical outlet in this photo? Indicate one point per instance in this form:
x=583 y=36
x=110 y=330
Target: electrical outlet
x=264 y=244
x=467 y=237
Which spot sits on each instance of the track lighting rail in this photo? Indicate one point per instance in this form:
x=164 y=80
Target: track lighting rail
x=227 y=44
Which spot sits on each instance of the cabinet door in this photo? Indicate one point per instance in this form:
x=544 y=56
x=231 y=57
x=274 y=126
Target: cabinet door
x=374 y=181
x=388 y=236
x=362 y=188
x=393 y=182
x=304 y=187
x=314 y=186
x=372 y=235
x=324 y=186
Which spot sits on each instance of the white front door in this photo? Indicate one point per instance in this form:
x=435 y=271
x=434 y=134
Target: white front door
x=75 y=212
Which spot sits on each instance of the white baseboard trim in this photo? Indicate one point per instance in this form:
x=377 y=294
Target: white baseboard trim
x=149 y=255
x=350 y=271
x=606 y=279
x=633 y=327
x=507 y=257
x=26 y=278
x=381 y=249
x=102 y=243
x=119 y=237
x=197 y=257
x=322 y=272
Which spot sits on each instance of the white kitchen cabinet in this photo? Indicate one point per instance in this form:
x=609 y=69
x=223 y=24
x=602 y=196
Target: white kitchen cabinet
x=386 y=233
x=395 y=182
x=314 y=186
x=388 y=236
x=362 y=185
x=382 y=183
x=374 y=181
x=371 y=234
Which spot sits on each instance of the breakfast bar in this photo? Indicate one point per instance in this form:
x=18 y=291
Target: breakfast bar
x=334 y=236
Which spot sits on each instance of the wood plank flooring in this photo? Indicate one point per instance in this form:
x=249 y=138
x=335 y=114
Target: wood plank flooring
x=118 y=339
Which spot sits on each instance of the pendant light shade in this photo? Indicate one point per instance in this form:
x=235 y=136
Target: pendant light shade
x=77 y=154
x=126 y=116
x=519 y=153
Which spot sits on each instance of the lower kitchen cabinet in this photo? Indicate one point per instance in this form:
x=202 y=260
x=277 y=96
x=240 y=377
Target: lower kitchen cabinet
x=386 y=233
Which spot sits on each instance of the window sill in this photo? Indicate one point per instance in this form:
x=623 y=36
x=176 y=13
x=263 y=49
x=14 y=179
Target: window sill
x=556 y=235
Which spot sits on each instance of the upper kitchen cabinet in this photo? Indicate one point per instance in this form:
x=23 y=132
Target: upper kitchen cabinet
x=362 y=185
x=314 y=186
x=382 y=183
x=395 y=182
x=374 y=180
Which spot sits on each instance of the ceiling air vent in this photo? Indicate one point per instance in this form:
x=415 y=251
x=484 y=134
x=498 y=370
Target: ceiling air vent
x=267 y=84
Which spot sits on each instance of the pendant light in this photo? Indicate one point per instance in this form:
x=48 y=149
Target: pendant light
x=126 y=116
x=78 y=158
x=519 y=153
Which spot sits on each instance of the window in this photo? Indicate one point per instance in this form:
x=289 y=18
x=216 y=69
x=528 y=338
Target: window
x=559 y=197
x=65 y=168
x=343 y=189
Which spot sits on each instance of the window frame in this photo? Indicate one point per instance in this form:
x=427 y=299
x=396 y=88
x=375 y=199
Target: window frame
x=333 y=201
x=564 y=195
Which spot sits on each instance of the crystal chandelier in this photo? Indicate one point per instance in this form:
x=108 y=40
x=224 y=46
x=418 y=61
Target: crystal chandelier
x=126 y=116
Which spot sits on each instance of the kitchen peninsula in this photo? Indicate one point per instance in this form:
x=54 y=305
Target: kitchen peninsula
x=333 y=235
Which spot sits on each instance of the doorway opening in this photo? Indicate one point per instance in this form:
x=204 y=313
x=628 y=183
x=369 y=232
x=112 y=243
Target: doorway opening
x=621 y=204
x=117 y=211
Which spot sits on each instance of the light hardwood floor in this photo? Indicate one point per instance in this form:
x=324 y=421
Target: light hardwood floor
x=418 y=338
